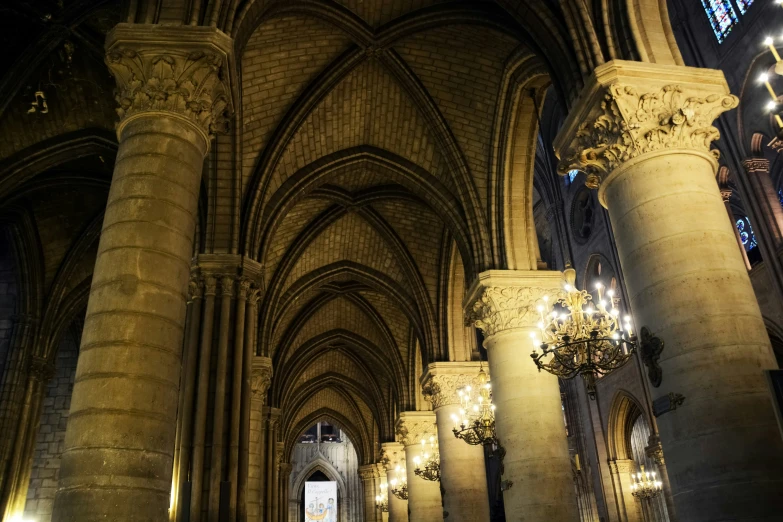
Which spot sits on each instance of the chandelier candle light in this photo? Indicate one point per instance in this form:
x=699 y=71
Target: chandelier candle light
x=400 y=491
x=579 y=337
x=475 y=423
x=382 y=500
x=644 y=485
x=431 y=460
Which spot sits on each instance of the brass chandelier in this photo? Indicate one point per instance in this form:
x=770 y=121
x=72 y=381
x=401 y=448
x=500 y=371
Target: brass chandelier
x=399 y=484
x=475 y=423
x=382 y=500
x=431 y=459
x=644 y=485
x=579 y=337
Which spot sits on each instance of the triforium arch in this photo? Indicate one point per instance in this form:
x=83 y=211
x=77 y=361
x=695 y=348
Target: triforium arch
x=624 y=411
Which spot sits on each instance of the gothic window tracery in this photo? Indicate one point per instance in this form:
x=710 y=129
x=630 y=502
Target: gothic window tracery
x=747 y=236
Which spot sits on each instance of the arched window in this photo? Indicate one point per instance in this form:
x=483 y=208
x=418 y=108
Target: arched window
x=744 y=5
x=746 y=233
x=722 y=16
x=572 y=175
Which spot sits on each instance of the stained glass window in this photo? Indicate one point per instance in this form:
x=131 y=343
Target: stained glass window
x=746 y=233
x=722 y=16
x=572 y=175
x=780 y=196
x=744 y=5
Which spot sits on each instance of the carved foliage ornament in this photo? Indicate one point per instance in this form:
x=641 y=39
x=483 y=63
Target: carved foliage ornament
x=505 y=308
x=411 y=432
x=630 y=124
x=442 y=390
x=188 y=83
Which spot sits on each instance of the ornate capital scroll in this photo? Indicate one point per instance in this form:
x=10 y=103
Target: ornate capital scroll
x=260 y=376
x=629 y=109
x=210 y=286
x=501 y=300
x=179 y=70
x=414 y=426
x=195 y=287
x=443 y=380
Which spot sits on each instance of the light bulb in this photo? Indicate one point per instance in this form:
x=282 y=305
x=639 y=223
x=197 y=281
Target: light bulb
x=540 y=308
x=627 y=318
x=468 y=388
x=771 y=106
x=615 y=312
x=598 y=285
x=590 y=310
x=610 y=292
x=567 y=288
x=763 y=77
x=768 y=40
x=546 y=298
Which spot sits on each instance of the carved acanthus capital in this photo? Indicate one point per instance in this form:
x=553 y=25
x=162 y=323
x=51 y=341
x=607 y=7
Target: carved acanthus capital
x=227 y=286
x=210 y=286
x=442 y=382
x=195 y=287
x=415 y=426
x=244 y=288
x=501 y=300
x=630 y=109
x=279 y=453
x=392 y=455
x=179 y=70
x=260 y=376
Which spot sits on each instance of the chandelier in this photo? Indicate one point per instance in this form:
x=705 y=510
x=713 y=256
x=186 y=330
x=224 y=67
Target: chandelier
x=475 y=423
x=382 y=500
x=579 y=337
x=431 y=460
x=400 y=491
x=644 y=485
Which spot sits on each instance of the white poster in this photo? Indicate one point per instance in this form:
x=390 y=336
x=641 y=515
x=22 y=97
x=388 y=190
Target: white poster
x=321 y=501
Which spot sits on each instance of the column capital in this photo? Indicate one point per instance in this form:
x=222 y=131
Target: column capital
x=368 y=472
x=260 y=376
x=414 y=426
x=279 y=452
x=41 y=369
x=180 y=71
x=628 y=109
x=503 y=300
x=442 y=380
x=654 y=449
x=392 y=453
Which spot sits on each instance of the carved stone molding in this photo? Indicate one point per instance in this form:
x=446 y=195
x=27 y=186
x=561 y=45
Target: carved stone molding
x=41 y=369
x=442 y=381
x=243 y=288
x=502 y=300
x=279 y=452
x=180 y=70
x=756 y=165
x=368 y=472
x=629 y=109
x=414 y=426
x=260 y=376
x=227 y=286
x=654 y=449
x=195 y=287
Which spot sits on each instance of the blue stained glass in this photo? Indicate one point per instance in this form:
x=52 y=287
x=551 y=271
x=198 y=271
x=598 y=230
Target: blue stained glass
x=747 y=236
x=780 y=196
x=744 y=5
x=572 y=175
x=722 y=16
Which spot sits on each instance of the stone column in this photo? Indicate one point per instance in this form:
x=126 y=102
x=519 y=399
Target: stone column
x=654 y=450
x=275 y=482
x=117 y=461
x=261 y=377
x=370 y=486
x=642 y=133
x=285 y=482
x=462 y=471
x=529 y=418
x=393 y=456
x=424 y=500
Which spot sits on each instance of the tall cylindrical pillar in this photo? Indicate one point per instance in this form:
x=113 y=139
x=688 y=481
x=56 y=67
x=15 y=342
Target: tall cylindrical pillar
x=686 y=281
x=371 y=489
x=424 y=500
x=394 y=458
x=529 y=418
x=118 y=450
x=464 y=492
x=261 y=376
